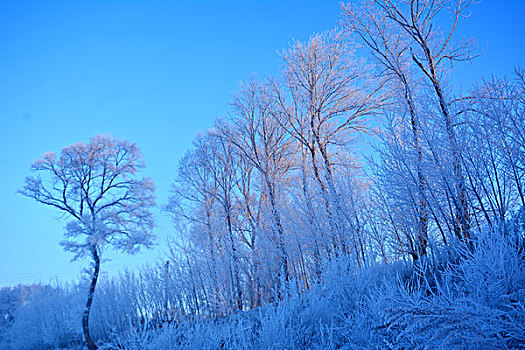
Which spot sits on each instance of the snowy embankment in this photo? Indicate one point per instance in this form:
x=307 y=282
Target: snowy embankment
x=475 y=302
x=474 y=298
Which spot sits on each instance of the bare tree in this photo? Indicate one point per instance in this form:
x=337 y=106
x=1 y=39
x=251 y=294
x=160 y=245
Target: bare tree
x=222 y=164
x=430 y=51
x=327 y=97
x=390 y=49
x=266 y=145
x=194 y=194
x=95 y=185
x=493 y=141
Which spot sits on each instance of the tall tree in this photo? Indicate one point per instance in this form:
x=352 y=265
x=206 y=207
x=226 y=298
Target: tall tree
x=96 y=186
x=266 y=145
x=390 y=49
x=327 y=96
x=223 y=165
x=430 y=51
x=194 y=199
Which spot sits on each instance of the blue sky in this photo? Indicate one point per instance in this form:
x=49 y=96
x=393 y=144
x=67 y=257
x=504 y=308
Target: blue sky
x=153 y=73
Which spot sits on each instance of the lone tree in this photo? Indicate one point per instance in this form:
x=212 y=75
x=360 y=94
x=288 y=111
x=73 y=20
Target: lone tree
x=96 y=186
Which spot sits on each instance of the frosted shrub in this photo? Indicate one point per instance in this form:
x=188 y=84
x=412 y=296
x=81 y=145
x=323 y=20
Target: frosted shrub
x=233 y=332
x=143 y=338
x=114 y=308
x=297 y=323
x=478 y=303
x=48 y=320
x=361 y=297
x=493 y=273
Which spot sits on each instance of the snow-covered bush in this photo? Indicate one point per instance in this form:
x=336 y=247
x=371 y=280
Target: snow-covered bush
x=47 y=320
x=478 y=302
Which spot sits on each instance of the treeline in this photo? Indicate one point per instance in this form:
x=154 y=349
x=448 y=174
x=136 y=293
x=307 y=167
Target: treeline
x=281 y=186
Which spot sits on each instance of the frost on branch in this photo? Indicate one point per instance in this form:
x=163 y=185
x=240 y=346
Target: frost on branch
x=95 y=185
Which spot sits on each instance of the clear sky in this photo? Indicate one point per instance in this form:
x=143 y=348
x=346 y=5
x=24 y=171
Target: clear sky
x=154 y=73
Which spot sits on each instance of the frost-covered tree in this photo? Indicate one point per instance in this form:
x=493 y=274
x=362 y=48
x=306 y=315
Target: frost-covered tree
x=492 y=138
x=96 y=186
x=433 y=50
x=11 y=298
x=326 y=97
x=423 y=171
x=265 y=144
x=389 y=49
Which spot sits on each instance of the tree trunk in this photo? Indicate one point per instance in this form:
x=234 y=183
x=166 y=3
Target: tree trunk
x=280 y=232
x=422 y=229
x=85 y=317
x=462 y=218
x=237 y=284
